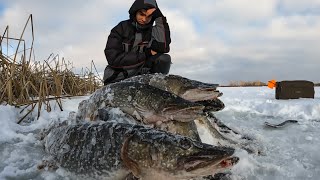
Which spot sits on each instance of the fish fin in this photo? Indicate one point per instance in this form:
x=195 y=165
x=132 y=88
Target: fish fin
x=140 y=108
x=214 y=130
x=221 y=126
x=127 y=161
x=142 y=112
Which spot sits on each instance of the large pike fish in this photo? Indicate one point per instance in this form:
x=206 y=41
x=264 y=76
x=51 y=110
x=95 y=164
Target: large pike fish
x=114 y=150
x=205 y=94
x=188 y=89
x=146 y=103
x=182 y=128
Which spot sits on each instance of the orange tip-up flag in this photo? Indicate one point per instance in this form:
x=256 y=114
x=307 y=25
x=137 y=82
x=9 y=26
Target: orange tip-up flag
x=272 y=83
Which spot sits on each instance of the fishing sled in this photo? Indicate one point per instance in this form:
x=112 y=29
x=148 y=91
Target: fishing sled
x=294 y=89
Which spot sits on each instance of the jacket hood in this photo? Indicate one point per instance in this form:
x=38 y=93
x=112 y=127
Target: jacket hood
x=141 y=4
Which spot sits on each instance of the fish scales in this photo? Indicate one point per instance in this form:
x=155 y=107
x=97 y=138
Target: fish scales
x=79 y=138
x=97 y=149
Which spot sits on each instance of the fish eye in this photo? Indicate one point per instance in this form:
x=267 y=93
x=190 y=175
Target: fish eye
x=185 y=144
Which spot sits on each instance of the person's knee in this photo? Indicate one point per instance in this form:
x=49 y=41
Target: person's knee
x=165 y=58
x=162 y=64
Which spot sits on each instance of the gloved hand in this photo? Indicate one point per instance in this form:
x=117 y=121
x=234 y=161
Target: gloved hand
x=147 y=52
x=157 y=13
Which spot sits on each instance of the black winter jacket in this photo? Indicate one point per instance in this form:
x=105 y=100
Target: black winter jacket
x=119 y=50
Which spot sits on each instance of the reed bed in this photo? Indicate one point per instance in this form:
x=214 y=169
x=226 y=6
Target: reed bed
x=29 y=84
x=246 y=83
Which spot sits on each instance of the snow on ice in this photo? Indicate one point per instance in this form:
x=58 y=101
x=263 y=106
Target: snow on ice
x=291 y=152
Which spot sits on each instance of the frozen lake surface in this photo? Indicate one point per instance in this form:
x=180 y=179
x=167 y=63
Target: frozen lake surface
x=291 y=152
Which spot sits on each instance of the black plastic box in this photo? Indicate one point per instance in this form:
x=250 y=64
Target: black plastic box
x=294 y=89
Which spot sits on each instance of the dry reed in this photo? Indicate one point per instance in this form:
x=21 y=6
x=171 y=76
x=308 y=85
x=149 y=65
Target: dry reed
x=29 y=83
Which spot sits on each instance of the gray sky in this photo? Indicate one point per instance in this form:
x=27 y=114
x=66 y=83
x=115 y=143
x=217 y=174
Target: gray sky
x=212 y=40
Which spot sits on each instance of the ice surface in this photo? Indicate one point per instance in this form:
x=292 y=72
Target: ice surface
x=291 y=152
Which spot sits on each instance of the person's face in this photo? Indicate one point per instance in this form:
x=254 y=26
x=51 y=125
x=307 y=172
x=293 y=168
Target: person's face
x=143 y=17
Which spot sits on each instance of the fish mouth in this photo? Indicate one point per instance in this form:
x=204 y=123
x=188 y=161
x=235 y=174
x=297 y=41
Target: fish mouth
x=201 y=94
x=186 y=114
x=214 y=164
x=208 y=161
x=198 y=84
x=212 y=105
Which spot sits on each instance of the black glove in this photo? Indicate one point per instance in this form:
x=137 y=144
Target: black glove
x=147 y=52
x=157 y=13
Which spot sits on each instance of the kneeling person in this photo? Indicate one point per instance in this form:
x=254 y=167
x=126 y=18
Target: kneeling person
x=135 y=46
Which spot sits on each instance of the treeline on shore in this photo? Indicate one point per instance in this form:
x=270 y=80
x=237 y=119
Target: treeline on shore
x=244 y=84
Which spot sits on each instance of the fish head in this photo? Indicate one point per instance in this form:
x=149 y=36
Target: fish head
x=192 y=90
x=153 y=105
x=179 y=159
x=183 y=112
x=203 y=159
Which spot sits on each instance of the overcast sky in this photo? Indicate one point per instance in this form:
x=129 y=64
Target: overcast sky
x=212 y=40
